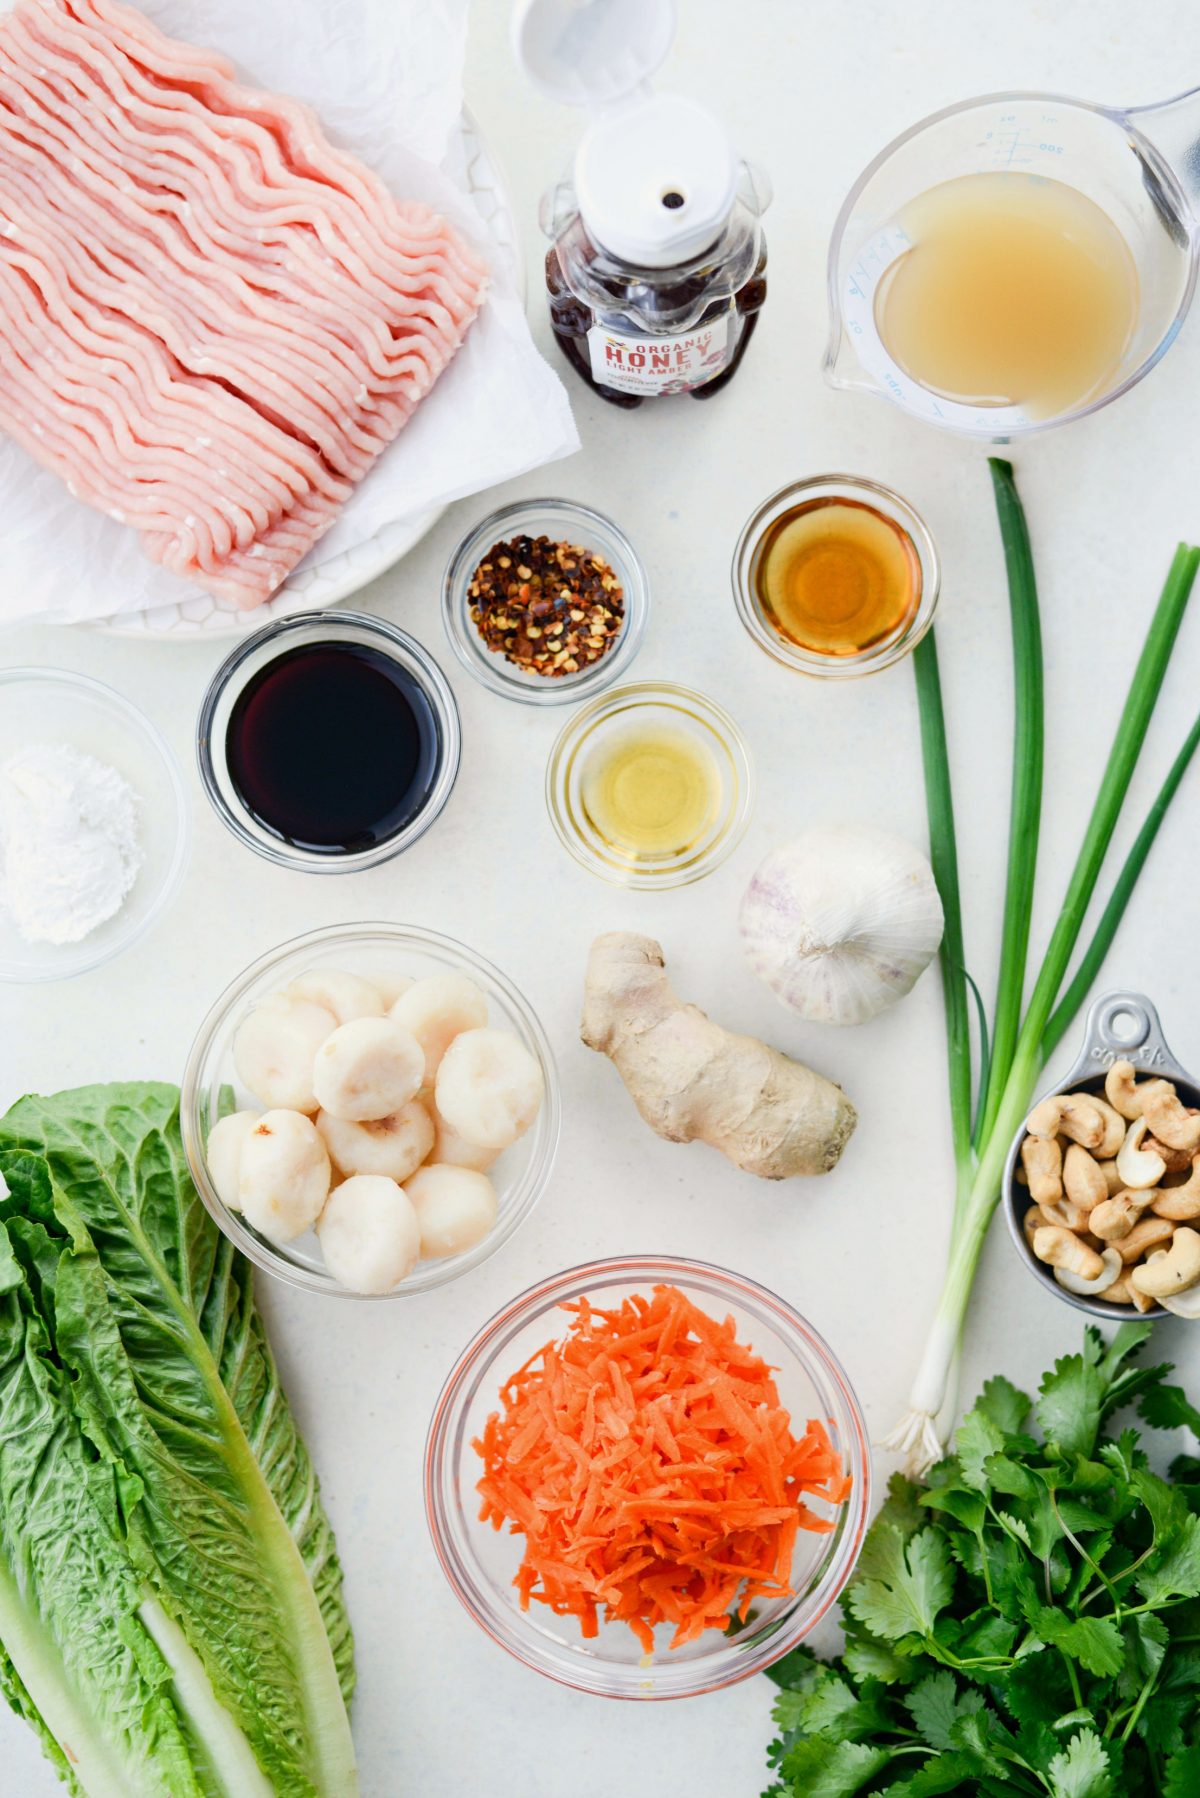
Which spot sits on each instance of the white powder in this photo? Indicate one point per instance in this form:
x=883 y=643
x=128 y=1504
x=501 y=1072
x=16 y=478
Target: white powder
x=68 y=842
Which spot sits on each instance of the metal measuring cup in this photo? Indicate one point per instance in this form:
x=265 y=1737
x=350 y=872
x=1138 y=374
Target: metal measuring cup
x=1120 y=1027
x=1140 y=165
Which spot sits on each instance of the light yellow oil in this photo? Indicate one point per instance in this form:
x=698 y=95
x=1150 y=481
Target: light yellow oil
x=1018 y=291
x=836 y=577
x=651 y=792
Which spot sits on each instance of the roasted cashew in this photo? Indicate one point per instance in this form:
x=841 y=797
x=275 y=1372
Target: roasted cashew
x=1082 y=1180
x=1068 y=1215
x=1112 y=1177
x=1180 y=1203
x=1173 y=1272
x=1150 y=1233
x=1115 y=1127
x=1042 y=1160
x=1069 y=1114
x=1139 y=1167
x=1122 y=1293
x=1176 y=1161
x=1110 y=1271
x=1113 y=1219
x=1169 y=1118
x=1060 y=1248
x=1181 y=1304
x=1122 y=1091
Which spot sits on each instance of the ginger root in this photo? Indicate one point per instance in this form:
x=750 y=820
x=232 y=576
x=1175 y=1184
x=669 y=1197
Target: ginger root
x=693 y=1081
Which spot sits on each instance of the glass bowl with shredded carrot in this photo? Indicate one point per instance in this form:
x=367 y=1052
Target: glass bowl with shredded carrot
x=647 y=1478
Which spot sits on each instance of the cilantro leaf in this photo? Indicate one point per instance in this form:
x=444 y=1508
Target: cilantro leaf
x=987 y=1635
x=1146 y=1640
x=1166 y=1505
x=1008 y=1476
x=1095 y=1642
x=1123 y=1455
x=1169 y=1408
x=1126 y=1341
x=1173 y=1571
x=969 y=1508
x=1068 y=1407
x=819 y=1769
x=794 y=1669
x=1037 y=1689
x=937 y=1704
x=976 y=1438
x=944 y=1773
x=909 y=1583
x=1084 y=1770
x=828 y=1708
x=1027 y=1621
x=1003 y=1405
x=1183 y=1773
x=865 y=1657
x=900 y=1507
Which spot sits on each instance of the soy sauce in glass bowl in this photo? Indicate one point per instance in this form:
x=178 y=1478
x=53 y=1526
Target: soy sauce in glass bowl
x=329 y=743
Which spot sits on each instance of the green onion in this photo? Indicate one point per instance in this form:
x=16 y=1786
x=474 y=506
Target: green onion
x=1023 y=1034
x=1114 y=911
x=943 y=855
x=1025 y=815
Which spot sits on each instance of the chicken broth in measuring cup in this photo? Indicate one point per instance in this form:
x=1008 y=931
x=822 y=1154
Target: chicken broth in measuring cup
x=1013 y=290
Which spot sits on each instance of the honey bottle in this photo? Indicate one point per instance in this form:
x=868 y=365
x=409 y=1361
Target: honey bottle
x=657 y=266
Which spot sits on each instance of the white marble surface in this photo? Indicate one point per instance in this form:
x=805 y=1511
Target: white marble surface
x=811 y=91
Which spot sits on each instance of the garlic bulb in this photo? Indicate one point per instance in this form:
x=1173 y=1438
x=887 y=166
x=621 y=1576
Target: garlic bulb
x=841 y=922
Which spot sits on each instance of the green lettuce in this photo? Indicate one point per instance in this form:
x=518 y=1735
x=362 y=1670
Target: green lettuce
x=171 y=1612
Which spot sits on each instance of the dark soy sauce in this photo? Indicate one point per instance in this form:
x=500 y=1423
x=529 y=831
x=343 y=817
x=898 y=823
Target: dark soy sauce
x=334 y=747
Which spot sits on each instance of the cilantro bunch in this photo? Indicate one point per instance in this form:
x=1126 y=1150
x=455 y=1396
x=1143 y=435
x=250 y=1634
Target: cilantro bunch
x=1028 y=1621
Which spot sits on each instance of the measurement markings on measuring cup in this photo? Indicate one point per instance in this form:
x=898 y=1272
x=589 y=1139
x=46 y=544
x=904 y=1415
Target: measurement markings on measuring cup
x=861 y=284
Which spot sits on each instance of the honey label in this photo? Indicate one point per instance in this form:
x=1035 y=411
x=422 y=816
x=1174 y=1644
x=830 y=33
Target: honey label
x=663 y=363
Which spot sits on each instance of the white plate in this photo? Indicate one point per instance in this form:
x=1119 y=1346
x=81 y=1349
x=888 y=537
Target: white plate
x=470 y=164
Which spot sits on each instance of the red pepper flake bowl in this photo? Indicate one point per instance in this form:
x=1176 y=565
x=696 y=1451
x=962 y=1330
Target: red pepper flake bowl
x=482 y=1562
x=562 y=521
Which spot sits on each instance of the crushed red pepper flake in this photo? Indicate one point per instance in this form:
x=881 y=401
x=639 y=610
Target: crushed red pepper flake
x=552 y=608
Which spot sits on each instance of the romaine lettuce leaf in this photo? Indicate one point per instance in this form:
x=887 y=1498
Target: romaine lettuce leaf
x=78 y=1664
x=150 y=1314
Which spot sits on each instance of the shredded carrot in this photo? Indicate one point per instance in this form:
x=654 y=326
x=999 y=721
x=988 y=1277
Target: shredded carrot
x=651 y=1468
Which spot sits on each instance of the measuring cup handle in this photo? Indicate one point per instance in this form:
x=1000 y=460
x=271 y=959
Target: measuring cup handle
x=1173 y=128
x=1124 y=1027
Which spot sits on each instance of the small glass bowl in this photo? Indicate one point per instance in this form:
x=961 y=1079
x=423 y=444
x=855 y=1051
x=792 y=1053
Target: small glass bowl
x=561 y=520
x=50 y=705
x=807 y=661
x=649 y=702
x=300 y=631
x=519 y=1175
x=481 y=1562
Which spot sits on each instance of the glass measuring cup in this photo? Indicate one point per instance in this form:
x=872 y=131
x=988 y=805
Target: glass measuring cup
x=1140 y=165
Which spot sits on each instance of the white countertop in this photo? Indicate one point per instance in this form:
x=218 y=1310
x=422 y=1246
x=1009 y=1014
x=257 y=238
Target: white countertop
x=812 y=92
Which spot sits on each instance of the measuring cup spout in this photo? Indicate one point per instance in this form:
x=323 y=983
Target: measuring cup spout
x=841 y=366
x=1173 y=128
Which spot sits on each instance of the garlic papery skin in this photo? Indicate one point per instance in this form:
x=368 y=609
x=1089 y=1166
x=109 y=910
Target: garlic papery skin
x=841 y=922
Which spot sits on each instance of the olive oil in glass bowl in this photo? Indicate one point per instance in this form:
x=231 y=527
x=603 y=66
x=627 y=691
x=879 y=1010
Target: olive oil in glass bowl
x=650 y=786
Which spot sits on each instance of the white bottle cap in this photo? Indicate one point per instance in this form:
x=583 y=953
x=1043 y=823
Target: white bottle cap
x=655 y=174
x=656 y=179
x=591 y=52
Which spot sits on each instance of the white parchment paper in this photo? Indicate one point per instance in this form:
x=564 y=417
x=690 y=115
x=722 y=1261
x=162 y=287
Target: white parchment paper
x=385 y=77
